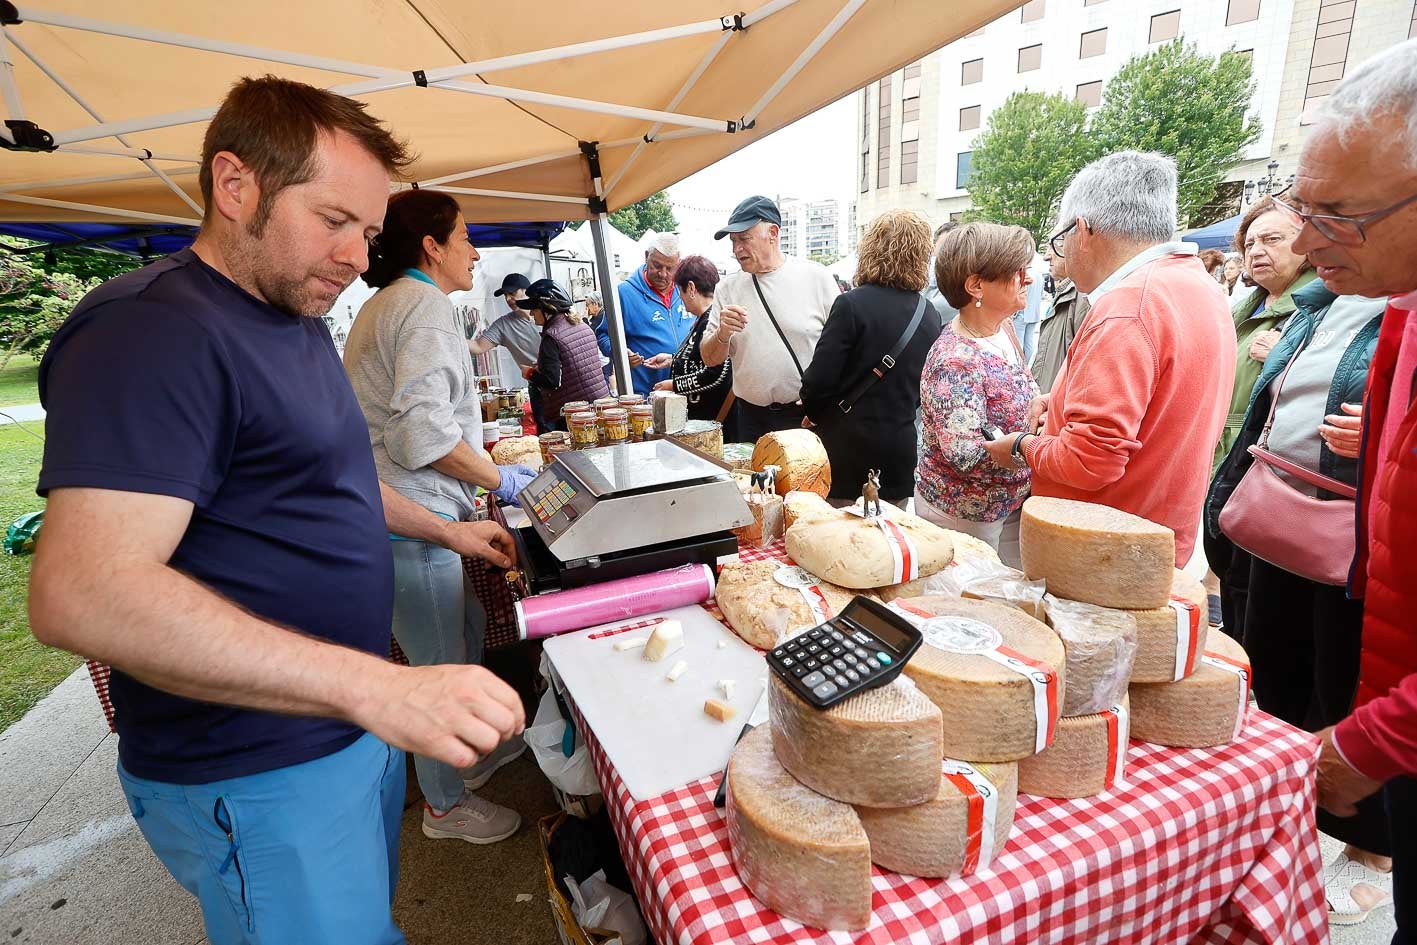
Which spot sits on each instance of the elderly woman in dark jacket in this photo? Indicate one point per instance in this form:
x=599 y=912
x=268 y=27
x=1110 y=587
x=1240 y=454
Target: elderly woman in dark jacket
x=709 y=387
x=1303 y=637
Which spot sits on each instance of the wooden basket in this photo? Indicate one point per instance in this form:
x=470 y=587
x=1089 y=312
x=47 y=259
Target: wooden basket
x=569 y=930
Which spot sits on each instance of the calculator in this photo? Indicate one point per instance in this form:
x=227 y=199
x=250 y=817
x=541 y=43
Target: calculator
x=864 y=646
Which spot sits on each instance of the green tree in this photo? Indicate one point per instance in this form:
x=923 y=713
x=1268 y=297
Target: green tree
x=38 y=291
x=1185 y=104
x=826 y=259
x=1031 y=147
x=652 y=213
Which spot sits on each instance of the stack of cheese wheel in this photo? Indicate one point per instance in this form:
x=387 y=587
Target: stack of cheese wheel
x=766 y=601
x=1205 y=709
x=1095 y=554
x=1170 y=638
x=862 y=553
x=800 y=458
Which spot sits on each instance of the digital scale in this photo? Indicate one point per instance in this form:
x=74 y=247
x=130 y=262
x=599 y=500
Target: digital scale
x=619 y=511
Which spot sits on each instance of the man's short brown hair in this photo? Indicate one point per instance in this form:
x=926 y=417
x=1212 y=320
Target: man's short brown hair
x=989 y=250
x=274 y=124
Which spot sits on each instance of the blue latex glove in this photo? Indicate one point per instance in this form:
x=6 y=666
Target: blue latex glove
x=514 y=479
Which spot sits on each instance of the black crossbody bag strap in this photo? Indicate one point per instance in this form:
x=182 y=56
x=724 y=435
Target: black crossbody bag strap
x=879 y=372
x=767 y=308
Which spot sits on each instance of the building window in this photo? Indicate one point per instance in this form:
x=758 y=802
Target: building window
x=910 y=108
x=909 y=161
x=956 y=217
x=1329 y=59
x=1090 y=94
x=911 y=88
x=962 y=161
x=1032 y=11
x=1242 y=11
x=1093 y=43
x=969 y=118
x=971 y=72
x=1246 y=54
x=883 y=133
x=865 y=139
x=1030 y=58
x=1165 y=26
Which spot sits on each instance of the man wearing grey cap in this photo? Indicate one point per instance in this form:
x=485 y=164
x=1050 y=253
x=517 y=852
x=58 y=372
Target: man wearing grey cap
x=767 y=319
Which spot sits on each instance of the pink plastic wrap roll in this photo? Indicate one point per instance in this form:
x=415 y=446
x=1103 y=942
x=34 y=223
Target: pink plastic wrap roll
x=549 y=614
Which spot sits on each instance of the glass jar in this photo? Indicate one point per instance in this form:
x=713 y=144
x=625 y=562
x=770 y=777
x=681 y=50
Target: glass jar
x=600 y=403
x=555 y=449
x=547 y=440
x=630 y=400
x=641 y=421
x=585 y=433
x=615 y=421
x=575 y=406
x=490 y=404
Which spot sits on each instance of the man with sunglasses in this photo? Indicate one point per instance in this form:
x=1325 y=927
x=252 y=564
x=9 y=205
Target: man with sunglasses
x=1355 y=195
x=1142 y=395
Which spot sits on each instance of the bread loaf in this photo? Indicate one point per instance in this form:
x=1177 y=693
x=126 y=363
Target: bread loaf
x=800 y=506
x=1171 y=638
x=1087 y=757
x=1096 y=554
x=800 y=458
x=1101 y=645
x=1205 y=709
x=765 y=601
x=524 y=450
x=864 y=553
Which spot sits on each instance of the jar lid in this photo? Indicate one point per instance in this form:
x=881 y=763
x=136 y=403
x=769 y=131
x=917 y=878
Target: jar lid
x=616 y=413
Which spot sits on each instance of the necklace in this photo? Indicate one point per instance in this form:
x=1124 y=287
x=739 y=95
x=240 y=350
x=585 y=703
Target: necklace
x=959 y=320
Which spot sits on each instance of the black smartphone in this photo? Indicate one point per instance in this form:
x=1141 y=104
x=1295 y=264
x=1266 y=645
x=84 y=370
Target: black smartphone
x=990 y=433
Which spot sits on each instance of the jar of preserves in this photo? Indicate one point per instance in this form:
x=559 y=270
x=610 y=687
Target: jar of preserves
x=490 y=405
x=555 y=449
x=641 y=421
x=615 y=421
x=547 y=440
x=629 y=400
x=585 y=433
x=575 y=406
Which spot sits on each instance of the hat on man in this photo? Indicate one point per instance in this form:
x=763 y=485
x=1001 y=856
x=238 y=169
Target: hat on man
x=514 y=281
x=749 y=214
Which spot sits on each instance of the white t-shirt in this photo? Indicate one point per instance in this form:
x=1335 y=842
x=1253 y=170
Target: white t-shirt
x=801 y=294
x=999 y=343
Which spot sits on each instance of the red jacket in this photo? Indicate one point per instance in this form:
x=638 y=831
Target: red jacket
x=1380 y=738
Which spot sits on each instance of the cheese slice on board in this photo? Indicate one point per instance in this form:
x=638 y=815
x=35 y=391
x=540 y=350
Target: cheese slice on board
x=995 y=672
x=1096 y=554
x=803 y=855
x=959 y=832
x=1205 y=709
x=1171 y=638
x=972 y=559
x=766 y=601
x=1101 y=644
x=1087 y=757
x=864 y=553
x=881 y=747
x=800 y=458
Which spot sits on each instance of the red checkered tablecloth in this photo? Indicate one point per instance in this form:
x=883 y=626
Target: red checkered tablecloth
x=1215 y=846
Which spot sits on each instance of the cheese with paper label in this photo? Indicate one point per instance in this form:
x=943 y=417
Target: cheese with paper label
x=972 y=559
x=995 y=672
x=959 y=832
x=800 y=458
x=801 y=854
x=766 y=601
x=1171 y=638
x=1088 y=756
x=880 y=747
x=1205 y=709
x=1101 y=644
x=1096 y=554
x=870 y=552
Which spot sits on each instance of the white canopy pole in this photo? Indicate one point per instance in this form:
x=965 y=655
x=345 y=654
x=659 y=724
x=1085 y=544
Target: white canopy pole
x=610 y=300
x=498 y=168
x=511 y=195
x=9 y=91
x=822 y=38
x=104 y=211
x=23 y=186
x=142 y=154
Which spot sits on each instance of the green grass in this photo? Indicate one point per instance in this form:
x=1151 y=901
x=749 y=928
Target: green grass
x=19 y=382
x=28 y=669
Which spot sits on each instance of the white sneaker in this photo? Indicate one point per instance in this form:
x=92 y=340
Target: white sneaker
x=472 y=819
x=1340 y=876
x=504 y=754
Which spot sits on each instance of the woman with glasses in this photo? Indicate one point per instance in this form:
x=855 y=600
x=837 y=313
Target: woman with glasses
x=976 y=380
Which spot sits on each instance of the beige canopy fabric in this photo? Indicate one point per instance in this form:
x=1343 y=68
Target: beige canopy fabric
x=114 y=82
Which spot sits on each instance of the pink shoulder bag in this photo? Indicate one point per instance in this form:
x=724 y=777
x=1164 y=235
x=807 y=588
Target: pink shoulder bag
x=1269 y=518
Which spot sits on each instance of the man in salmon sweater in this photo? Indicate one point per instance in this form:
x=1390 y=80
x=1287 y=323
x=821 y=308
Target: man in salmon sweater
x=1356 y=195
x=1136 y=411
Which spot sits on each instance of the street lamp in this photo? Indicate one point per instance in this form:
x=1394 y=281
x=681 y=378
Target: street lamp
x=1266 y=185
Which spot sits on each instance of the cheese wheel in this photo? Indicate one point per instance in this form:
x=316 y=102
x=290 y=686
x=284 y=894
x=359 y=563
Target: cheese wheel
x=1087 y=757
x=801 y=854
x=992 y=712
x=739 y=456
x=800 y=458
x=525 y=450
x=763 y=609
x=972 y=558
x=881 y=747
x=766 y=526
x=933 y=839
x=800 y=505
x=1166 y=632
x=1101 y=646
x=1205 y=709
x=866 y=553
x=706 y=436
x=1096 y=554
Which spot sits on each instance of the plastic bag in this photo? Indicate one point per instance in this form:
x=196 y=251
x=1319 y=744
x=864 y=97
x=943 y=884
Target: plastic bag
x=1101 y=644
x=597 y=904
x=546 y=735
x=1004 y=585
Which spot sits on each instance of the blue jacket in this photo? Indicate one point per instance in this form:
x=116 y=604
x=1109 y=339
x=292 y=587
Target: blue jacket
x=649 y=328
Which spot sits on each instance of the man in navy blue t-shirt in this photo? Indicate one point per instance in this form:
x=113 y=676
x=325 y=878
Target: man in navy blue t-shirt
x=216 y=532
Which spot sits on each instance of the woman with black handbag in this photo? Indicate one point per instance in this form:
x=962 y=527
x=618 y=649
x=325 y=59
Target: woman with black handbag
x=709 y=387
x=1283 y=499
x=862 y=389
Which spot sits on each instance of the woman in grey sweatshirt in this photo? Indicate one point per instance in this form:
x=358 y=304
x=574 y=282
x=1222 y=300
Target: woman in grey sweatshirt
x=414 y=378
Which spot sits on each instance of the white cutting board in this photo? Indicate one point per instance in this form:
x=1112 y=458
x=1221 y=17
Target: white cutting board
x=654 y=731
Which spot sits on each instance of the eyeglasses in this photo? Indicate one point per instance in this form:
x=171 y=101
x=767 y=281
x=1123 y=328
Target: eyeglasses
x=1055 y=243
x=1346 y=231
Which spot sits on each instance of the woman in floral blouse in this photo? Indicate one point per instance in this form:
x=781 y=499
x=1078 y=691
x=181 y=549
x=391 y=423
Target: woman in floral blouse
x=976 y=377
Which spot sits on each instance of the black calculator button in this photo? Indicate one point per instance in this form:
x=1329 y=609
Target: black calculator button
x=788 y=661
x=779 y=652
x=813 y=648
x=812 y=680
x=862 y=638
x=840 y=681
x=861 y=654
x=836 y=650
x=813 y=663
x=817 y=633
x=799 y=671
x=825 y=691
x=853 y=675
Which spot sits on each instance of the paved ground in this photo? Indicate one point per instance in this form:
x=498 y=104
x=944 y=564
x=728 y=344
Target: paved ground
x=74 y=870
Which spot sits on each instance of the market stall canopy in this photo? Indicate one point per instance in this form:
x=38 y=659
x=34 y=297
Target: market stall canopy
x=1216 y=236
x=512 y=107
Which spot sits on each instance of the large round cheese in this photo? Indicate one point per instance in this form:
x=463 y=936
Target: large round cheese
x=525 y=450
x=1096 y=554
x=1205 y=709
x=1087 y=757
x=1165 y=633
x=933 y=839
x=867 y=553
x=803 y=855
x=881 y=747
x=1101 y=644
x=766 y=601
x=972 y=558
x=993 y=711
x=800 y=458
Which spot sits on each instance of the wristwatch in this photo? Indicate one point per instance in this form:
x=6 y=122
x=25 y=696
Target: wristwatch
x=1016 y=451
